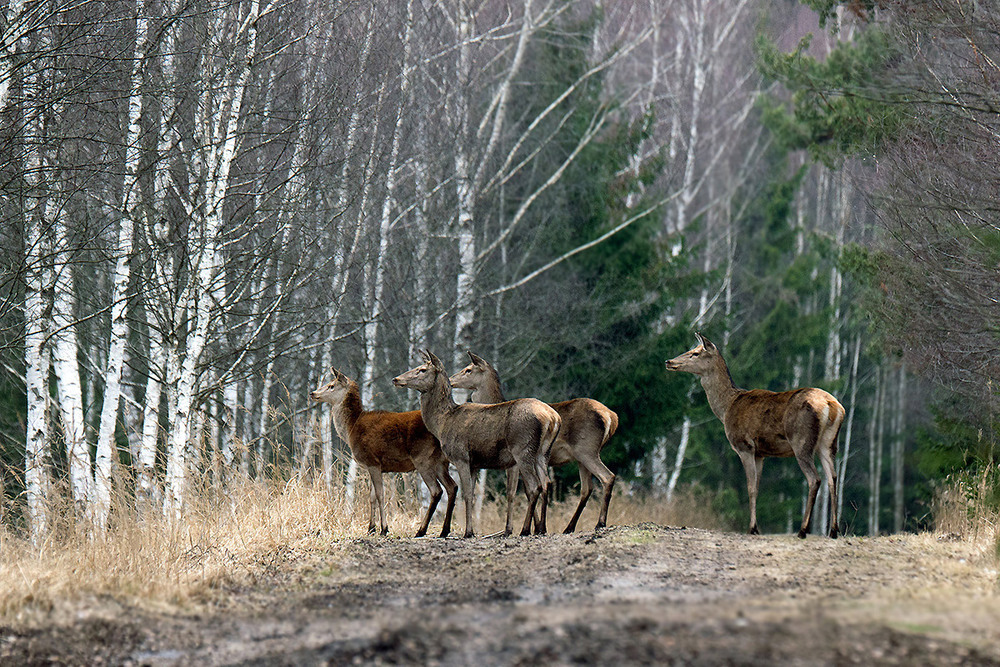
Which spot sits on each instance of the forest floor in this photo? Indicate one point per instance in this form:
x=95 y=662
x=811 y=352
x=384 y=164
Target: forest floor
x=624 y=595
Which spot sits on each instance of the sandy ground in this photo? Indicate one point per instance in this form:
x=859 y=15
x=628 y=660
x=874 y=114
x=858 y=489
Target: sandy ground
x=624 y=595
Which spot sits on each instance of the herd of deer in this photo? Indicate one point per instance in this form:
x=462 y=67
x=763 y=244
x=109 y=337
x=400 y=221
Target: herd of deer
x=525 y=436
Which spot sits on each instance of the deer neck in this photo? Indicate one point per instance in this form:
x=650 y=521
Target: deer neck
x=436 y=402
x=346 y=415
x=489 y=391
x=720 y=389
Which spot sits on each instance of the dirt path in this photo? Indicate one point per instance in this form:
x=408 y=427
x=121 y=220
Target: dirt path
x=639 y=594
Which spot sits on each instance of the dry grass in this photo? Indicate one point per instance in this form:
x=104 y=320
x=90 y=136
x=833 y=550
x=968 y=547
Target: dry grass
x=148 y=560
x=225 y=539
x=968 y=505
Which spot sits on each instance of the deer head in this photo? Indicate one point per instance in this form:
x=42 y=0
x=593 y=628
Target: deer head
x=474 y=375
x=423 y=377
x=699 y=360
x=332 y=388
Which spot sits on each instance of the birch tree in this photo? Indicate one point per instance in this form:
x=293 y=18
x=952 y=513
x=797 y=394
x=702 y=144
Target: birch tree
x=106 y=449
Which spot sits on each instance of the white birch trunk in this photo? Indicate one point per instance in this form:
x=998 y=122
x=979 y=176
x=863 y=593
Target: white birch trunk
x=151 y=418
x=848 y=429
x=679 y=459
x=658 y=465
x=65 y=363
x=260 y=457
x=207 y=287
x=119 y=298
x=231 y=404
x=36 y=357
x=326 y=423
x=465 y=193
x=16 y=27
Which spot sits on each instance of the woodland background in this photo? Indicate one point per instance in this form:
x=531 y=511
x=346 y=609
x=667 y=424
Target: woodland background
x=206 y=204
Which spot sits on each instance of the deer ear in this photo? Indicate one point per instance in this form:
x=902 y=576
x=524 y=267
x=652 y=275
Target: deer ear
x=477 y=360
x=434 y=361
x=425 y=355
x=706 y=343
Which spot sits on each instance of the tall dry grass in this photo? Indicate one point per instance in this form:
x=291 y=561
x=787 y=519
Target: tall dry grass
x=146 y=559
x=968 y=505
x=229 y=538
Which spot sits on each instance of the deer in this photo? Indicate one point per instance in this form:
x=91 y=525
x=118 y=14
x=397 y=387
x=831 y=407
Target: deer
x=498 y=436
x=587 y=425
x=759 y=423
x=383 y=441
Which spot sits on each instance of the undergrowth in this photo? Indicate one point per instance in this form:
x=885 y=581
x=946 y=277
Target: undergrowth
x=968 y=505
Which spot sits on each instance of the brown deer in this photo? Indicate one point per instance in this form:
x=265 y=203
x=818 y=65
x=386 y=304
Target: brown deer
x=586 y=427
x=477 y=436
x=761 y=423
x=388 y=442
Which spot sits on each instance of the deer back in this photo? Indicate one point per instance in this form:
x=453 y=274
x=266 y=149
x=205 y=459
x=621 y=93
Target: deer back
x=491 y=431
x=771 y=421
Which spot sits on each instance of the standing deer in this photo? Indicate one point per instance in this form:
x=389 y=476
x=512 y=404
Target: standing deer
x=495 y=436
x=586 y=427
x=388 y=442
x=760 y=423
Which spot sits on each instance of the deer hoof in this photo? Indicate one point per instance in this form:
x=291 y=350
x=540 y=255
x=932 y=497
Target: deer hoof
x=753 y=531
x=384 y=532
x=421 y=532
x=469 y=533
x=802 y=534
x=444 y=533
x=371 y=529
x=834 y=532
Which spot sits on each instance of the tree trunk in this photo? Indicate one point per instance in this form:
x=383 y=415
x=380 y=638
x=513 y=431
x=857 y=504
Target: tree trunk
x=899 y=455
x=848 y=429
x=64 y=360
x=36 y=355
x=119 y=298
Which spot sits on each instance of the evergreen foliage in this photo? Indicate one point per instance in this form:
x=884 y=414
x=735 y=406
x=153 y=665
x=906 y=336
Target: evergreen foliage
x=840 y=106
x=619 y=292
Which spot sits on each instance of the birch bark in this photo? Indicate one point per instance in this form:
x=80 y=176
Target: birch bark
x=205 y=286
x=36 y=354
x=119 y=298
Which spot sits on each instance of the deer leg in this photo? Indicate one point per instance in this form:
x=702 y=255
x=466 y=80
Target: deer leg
x=608 y=482
x=812 y=477
x=752 y=466
x=468 y=493
x=586 y=486
x=593 y=461
x=371 y=504
x=826 y=456
x=450 y=488
x=432 y=485
x=376 y=475
x=512 y=477
x=545 y=490
x=532 y=489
